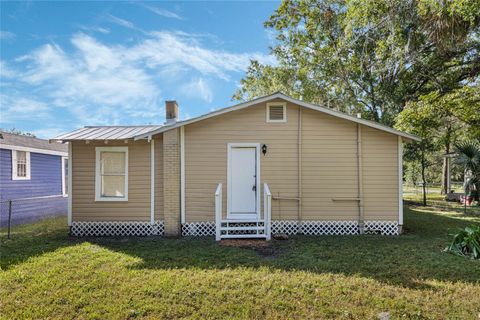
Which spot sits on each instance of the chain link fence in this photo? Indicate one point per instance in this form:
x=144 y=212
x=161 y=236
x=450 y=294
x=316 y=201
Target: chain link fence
x=413 y=195
x=26 y=210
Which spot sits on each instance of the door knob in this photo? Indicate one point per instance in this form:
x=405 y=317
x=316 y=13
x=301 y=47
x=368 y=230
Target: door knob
x=254 y=188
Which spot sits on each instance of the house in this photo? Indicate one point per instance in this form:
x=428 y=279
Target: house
x=33 y=176
x=273 y=164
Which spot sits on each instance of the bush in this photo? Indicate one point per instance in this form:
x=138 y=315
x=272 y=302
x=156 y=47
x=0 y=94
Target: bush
x=466 y=242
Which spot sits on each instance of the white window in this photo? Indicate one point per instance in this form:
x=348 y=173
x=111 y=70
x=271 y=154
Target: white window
x=276 y=112
x=20 y=165
x=111 y=181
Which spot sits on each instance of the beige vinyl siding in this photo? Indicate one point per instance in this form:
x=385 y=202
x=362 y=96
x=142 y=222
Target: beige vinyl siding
x=380 y=174
x=84 y=206
x=329 y=164
x=206 y=159
x=329 y=167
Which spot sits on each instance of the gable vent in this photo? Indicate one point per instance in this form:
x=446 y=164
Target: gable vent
x=276 y=112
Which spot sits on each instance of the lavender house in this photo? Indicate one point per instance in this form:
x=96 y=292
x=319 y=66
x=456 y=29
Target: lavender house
x=33 y=174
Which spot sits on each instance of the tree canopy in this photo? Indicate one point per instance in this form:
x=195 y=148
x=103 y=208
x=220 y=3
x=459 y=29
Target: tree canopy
x=369 y=56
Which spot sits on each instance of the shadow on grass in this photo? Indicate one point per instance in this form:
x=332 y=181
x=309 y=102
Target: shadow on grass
x=408 y=260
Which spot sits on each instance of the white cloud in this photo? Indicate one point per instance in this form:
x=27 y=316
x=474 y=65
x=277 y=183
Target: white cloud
x=98 y=83
x=121 y=22
x=162 y=12
x=7 y=35
x=6 y=71
x=167 y=48
x=16 y=109
x=198 y=88
x=95 y=29
x=48 y=133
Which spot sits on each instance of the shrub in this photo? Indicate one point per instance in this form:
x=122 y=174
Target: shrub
x=466 y=242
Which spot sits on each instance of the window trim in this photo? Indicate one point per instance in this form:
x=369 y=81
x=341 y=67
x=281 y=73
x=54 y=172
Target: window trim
x=28 y=165
x=98 y=180
x=64 y=184
x=284 y=105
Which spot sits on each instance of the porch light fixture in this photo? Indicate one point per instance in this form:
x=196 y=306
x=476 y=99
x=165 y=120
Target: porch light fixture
x=264 y=149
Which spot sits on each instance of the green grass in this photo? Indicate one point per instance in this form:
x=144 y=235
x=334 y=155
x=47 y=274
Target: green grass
x=46 y=274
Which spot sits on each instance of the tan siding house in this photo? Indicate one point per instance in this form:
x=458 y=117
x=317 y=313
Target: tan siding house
x=271 y=165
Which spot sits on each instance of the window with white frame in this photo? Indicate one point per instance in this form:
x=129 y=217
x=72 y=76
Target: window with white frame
x=20 y=165
x=276 y=112
x=111 y=181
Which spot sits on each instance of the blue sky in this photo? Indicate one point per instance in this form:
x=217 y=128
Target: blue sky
x=64 y=65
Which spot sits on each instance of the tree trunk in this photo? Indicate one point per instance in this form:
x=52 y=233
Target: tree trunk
x=424 y=182
x=446 y=165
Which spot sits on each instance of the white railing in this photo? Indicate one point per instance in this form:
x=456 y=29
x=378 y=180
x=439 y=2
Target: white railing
x=267 y=210
x=230 y=228
x=218 y=211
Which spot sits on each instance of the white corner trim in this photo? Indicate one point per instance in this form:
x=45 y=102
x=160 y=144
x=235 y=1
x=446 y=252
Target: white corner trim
x=64 y=190
x=28 y=165
x=270 y=104
x=400 y=181
x=152 y=181
x=34 y=150
x=229 y=176
x=98 y=186
x=182 y=174
x=70 y=180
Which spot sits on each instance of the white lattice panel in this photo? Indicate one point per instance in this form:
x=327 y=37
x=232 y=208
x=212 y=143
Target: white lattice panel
x=315 y=227
x=329 y=227
x=117 y=228
x=285 y=226
x=291 y=227
x=198 y=229
x=388 y=228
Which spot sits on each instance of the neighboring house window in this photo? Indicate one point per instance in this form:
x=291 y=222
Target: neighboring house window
x=111 y=174
x=64 y=176
x=276 y=112
x=20 y=165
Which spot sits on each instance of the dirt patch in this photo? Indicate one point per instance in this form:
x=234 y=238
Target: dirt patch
x=266 y=249
x=245 y=243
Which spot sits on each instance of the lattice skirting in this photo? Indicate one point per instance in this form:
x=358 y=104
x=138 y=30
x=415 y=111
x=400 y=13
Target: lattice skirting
x=198 y=229
x=291 y=227
x=117 y=228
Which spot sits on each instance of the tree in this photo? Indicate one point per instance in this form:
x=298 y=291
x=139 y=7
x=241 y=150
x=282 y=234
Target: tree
x=369 y=56
x=18 y=132
x=468 y=156
x=418 y=119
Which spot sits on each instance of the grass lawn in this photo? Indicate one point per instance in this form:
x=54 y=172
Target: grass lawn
x=46 y=274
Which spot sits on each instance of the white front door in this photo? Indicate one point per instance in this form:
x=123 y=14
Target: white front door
x=243 y=180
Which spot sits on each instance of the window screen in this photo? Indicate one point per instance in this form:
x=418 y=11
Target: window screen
x=112 y=171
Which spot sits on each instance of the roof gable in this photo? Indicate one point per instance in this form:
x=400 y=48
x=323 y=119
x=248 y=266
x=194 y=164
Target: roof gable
x=282 y=96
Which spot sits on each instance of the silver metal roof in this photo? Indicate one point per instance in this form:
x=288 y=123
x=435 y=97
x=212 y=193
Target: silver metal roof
x=106 y=133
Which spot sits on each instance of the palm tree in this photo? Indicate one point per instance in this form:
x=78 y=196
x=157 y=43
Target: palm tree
x=468 y=156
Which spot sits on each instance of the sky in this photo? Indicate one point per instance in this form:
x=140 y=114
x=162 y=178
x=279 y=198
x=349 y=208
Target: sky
x=65 y=65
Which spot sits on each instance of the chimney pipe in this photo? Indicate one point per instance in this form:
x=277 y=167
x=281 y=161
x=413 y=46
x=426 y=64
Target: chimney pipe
x=171 y=111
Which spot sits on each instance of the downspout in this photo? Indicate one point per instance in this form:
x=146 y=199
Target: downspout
x=182 y=174
x=361 y=218
x=152 y=181
x=299 y=169
x=70 y=183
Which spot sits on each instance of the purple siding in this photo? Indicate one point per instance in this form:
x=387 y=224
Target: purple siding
x=46 y=180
